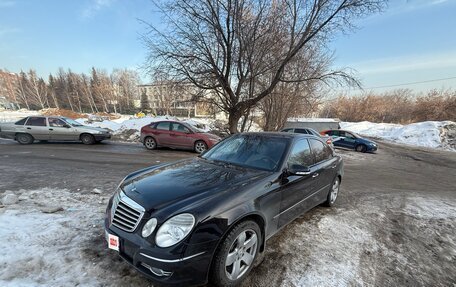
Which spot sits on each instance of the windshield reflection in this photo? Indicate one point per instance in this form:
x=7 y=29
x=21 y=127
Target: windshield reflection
x=251 y=150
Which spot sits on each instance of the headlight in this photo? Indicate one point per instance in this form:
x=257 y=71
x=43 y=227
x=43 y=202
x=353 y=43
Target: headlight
x=174 y=230
x=149 y=227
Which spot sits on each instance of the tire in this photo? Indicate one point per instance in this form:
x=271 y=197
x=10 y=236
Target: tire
x=333 y=193
x=224 y=273
x=361 y=148
x=87 y=139
x=150 y=143
x=200 y=147
x=24 y=139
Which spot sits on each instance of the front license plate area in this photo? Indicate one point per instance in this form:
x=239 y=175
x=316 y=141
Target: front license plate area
x=113 y=242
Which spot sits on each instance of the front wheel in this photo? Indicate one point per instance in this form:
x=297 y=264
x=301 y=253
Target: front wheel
x=361 y=148
x=333 y=193
x=200 y=147
x=87 y=139
x=236 y=255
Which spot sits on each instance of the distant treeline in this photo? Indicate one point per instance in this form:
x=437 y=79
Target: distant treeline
x=399 y=106
x=95 y=92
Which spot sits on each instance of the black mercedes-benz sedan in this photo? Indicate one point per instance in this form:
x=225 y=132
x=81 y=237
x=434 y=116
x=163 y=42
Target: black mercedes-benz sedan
x=208 y=218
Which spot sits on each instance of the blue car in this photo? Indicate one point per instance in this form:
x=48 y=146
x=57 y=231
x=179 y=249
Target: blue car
x=350 y=140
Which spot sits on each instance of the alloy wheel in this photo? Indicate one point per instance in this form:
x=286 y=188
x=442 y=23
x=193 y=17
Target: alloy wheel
x=241 y=254
x=150 y=143
x=200 y=147
x=334 y=191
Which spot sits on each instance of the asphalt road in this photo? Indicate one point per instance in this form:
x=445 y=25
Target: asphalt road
x=393 y=224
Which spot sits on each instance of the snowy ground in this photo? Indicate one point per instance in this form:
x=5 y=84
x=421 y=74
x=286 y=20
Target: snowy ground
x=324 y=248
x=393 y=224
x=429 y=134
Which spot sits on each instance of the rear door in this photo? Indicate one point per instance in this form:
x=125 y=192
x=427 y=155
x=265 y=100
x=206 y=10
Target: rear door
x=37 y=127
x=324 y=168
x=162 y=133
x=296 y=189
x=180 y=136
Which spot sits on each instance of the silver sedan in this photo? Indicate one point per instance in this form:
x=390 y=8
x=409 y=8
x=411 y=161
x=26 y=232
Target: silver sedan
x=42 y=128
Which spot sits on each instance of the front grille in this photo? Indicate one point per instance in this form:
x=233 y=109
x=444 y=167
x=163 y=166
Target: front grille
x=126 y=213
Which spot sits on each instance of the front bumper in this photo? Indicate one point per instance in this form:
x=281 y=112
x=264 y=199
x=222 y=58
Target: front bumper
x=372 y=148
x=100 y=137
x=189 y=268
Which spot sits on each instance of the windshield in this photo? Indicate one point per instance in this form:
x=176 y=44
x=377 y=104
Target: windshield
x=72 y=122
x=253 y=151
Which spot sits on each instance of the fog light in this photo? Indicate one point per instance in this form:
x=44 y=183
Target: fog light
x=149 y=227
x=157 y=271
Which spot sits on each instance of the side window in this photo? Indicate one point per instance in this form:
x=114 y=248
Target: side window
x=349 y=136
x=300 y=154
x=335 y=133
x=53 y=122
x=288 y=130
x=36 y=121
x=162 y=126
x=21 y=122
x=179 y=128
x=319 y=150
x=301 y=131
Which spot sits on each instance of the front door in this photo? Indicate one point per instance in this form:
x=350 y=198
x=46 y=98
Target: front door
x=179 y=136
x=295 y=189
x=59 y=130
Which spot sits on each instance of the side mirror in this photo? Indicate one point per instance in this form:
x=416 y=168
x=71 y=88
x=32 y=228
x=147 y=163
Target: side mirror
x=297 y=169
x=66 y=126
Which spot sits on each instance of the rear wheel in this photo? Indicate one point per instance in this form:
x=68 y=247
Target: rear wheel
x=87 y=139
x=236 y=255
x=200 y=147
x=24 y=138
x=150 y=143
x=361 y=148
x=333 y=193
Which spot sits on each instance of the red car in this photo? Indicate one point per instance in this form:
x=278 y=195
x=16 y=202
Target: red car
x=176 y=134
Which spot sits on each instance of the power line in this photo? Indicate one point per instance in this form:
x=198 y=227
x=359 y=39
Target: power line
x=405 y=84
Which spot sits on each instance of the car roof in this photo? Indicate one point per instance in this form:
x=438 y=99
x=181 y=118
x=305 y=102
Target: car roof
x=281 y=134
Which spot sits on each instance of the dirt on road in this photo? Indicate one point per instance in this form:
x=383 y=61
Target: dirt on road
x=393 y=224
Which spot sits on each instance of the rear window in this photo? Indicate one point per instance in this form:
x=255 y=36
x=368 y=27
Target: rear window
x=301 y=131
x=162 y=126
x=36 y=121
x=21 y=122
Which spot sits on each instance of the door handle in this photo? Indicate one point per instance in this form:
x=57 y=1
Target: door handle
x=51 y=129
x=315 y=175
x=29 y=128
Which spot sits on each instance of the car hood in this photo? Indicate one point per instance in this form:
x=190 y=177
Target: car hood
x=186 y=182
x=87 y=128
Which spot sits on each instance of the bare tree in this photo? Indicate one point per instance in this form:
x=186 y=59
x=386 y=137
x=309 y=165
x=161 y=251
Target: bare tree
x=241 y=49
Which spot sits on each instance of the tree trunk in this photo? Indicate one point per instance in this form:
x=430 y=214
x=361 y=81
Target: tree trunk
x=233 y=120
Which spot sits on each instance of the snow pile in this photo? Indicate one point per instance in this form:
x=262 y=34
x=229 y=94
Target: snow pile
x=129 y=128
x=430 y=134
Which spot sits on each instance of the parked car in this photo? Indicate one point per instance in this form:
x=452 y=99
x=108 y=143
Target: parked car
x=176 y=134
x=351 y=140
x=29 y=129
x=209 y=217
x=309 y=131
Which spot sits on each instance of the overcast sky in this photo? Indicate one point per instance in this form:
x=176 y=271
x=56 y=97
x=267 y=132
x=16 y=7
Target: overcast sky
x=413 y=41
